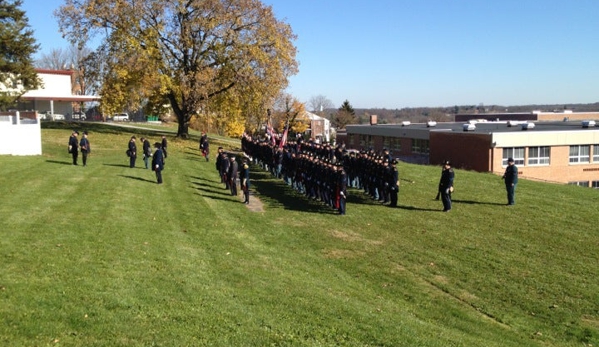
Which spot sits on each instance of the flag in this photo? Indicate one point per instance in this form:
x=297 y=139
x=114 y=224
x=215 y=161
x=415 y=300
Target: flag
x=284 y=139
x=270 y=132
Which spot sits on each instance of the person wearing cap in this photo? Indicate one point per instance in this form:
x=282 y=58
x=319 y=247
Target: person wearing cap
x=446 y=185
x=74 y=146
x=510 y=178
x=132 y=152
x=147 y=151
x=158 y=162
x=232 y=174
x=85 y=148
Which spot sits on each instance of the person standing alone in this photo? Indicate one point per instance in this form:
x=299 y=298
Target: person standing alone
x=74 y=146
x=510 y=178
x=158 y=162
x=85 y=148
x=446 y=185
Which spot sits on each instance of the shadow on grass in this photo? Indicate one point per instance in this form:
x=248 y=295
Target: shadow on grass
x=205 y=179
x=138 y=178
x=121 y=165
x=216 y=197
x=472 y=202
x=59 y=162
x=276 y=194
x=211 y=189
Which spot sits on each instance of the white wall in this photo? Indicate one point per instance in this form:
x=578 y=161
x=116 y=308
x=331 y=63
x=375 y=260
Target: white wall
x=20 y=136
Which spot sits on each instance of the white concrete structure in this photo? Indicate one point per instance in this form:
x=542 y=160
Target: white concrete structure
x=20 y=133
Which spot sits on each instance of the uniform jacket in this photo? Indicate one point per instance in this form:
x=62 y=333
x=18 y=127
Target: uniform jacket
x=511 y=175
x=158 y=159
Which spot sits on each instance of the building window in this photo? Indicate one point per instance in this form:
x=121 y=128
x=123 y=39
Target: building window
x=538 y=155
x=365 y=141
x=579 y=154
x=579 y=183
x=596 y=153
x=397 y=144
x=420 y=146
x=513 y=152
x=595 y=184
x=351 y=141
x=387 y=142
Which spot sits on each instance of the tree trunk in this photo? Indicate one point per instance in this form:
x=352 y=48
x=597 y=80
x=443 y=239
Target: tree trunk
x=183 y=130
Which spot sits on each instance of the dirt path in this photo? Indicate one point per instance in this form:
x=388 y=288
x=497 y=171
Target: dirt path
x=255 y=204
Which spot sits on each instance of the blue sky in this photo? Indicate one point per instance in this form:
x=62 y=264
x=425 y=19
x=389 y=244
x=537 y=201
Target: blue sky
x=428 y=53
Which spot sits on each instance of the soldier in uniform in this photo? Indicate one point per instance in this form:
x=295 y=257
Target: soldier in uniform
x=73 y=146
x=510 y=178
x=132 y=152
x=245 y=181
x=158 y=162
x=342 y=186
x=147 y=151
x=394 y=184
x=446 y=184
x=85 y=147
x=232 y=174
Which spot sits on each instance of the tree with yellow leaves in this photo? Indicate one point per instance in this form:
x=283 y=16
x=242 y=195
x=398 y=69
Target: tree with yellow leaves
x=186 y=52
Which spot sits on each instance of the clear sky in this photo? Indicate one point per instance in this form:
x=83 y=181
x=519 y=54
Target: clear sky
x=428 y=53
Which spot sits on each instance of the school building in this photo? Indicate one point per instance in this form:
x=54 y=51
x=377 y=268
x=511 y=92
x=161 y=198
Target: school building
x=561 y=148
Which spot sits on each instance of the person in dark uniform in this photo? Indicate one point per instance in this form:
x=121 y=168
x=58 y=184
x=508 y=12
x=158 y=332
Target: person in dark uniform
x=147 y=151
x=202 y=140
x=206 y=149
x=85 y=148
x=245 y=181
x=224 y=169
x=158 y=162
x=164 y=144
x=394 y=184
x=510 y=178
x=342 y=186
x=132 y=152
x=232 y=175
x=74 y=146
x=446 y=184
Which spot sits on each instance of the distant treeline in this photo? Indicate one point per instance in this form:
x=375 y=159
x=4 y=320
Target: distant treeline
x=445 y=114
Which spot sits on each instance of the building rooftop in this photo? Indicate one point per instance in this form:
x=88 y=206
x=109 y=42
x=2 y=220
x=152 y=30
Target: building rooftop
x=484 y=127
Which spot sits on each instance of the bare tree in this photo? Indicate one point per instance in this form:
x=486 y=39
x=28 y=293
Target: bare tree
x=56 y=59
x=319 y=103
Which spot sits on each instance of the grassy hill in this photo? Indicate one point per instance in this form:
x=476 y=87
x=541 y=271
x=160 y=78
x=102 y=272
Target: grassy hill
x=103 y=256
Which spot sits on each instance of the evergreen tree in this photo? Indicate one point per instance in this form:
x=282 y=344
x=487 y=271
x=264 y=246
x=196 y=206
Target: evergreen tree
x=17 y=46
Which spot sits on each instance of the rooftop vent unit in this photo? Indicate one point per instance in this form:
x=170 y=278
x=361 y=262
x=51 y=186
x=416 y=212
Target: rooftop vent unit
x=405 y=123
x=469 y=127
x=588 y=123
x=528 y=126
x=431 y=123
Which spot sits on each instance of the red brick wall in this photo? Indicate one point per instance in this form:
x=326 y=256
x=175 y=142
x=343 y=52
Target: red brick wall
x=466 y=151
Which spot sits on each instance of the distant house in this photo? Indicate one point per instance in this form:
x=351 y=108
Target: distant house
x=55 y=95
x=320 y=128
x=20 y=131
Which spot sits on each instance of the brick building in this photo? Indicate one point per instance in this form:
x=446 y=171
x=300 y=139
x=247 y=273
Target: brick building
x=565 y=151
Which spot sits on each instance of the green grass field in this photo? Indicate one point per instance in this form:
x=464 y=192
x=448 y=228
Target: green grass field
x=103 y=256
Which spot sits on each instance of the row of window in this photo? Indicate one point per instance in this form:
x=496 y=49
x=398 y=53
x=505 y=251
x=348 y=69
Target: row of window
x=541 y=155
x=594 y=184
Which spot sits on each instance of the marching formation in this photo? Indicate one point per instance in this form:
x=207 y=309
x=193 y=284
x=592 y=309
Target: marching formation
x=319 y=171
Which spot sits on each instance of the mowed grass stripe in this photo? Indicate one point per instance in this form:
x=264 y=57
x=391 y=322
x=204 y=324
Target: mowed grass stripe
x=122 y=261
